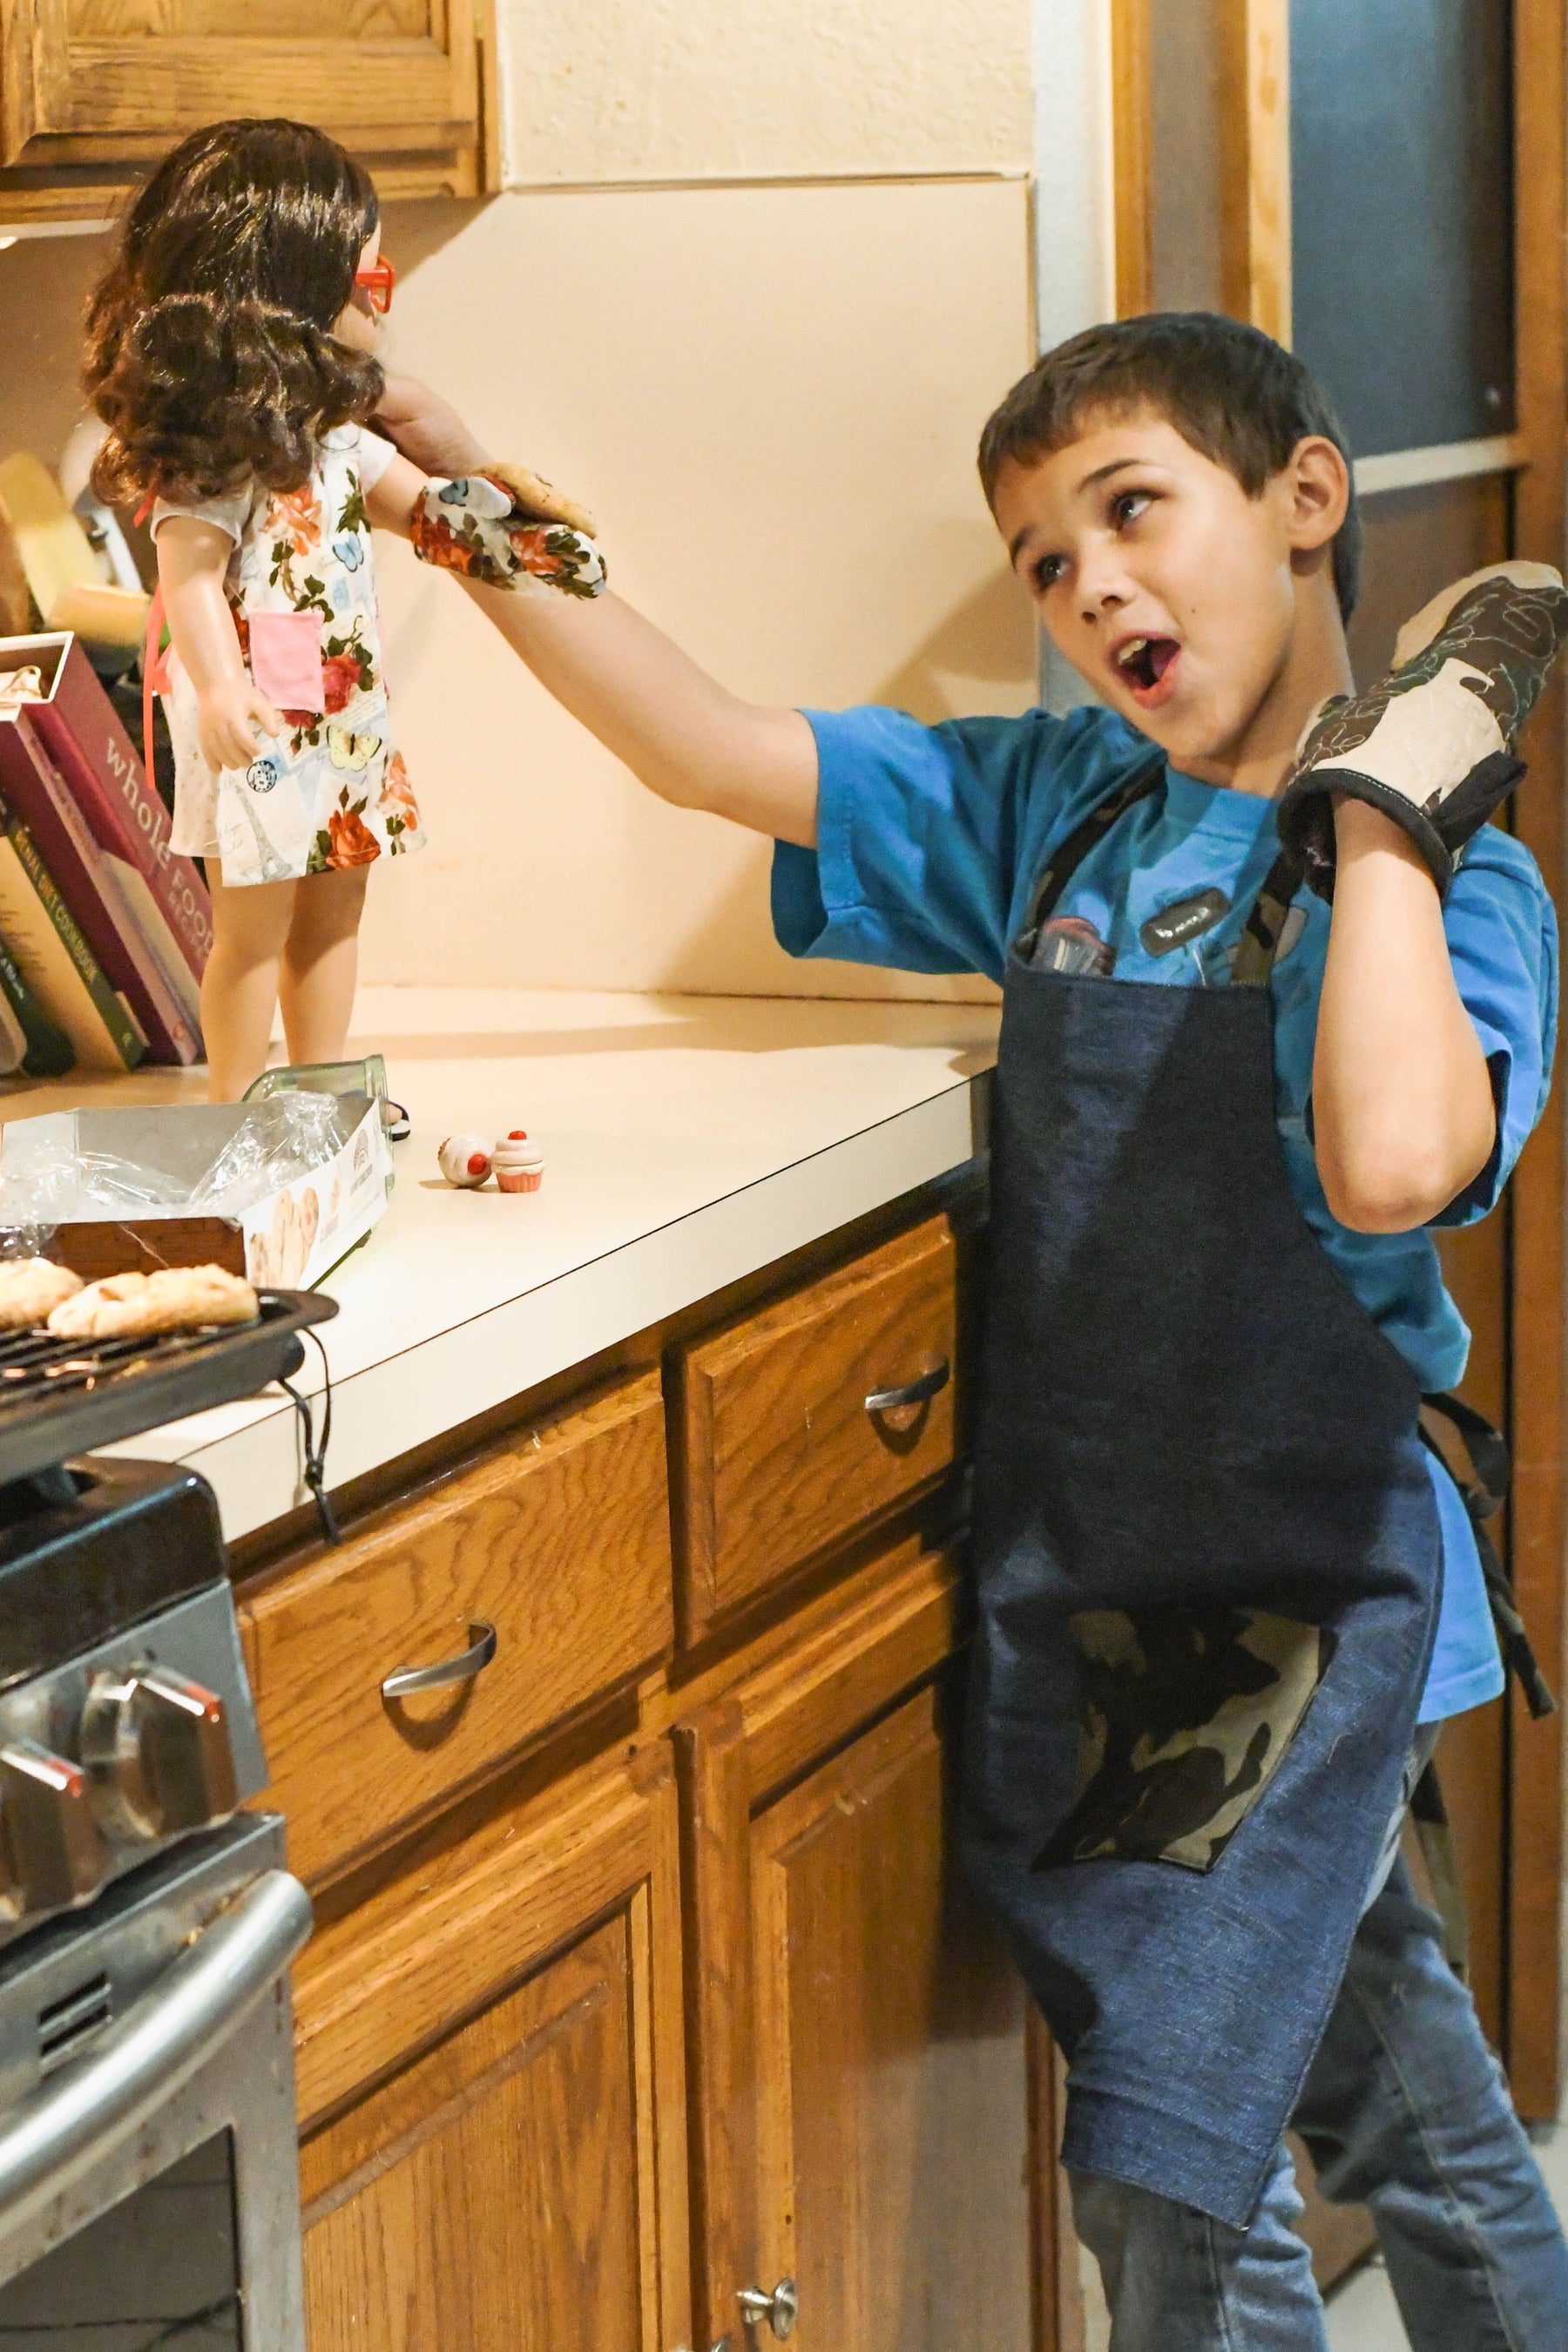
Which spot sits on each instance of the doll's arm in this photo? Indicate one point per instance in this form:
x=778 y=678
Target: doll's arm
x=390 y=505
x=192 y=558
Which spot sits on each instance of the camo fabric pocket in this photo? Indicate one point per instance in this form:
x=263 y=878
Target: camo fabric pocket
x=1186 y=1713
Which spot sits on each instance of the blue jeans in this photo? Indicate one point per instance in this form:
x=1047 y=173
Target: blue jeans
x=1404 y=2109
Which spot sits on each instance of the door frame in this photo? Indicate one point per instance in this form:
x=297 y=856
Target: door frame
x=1255 y=181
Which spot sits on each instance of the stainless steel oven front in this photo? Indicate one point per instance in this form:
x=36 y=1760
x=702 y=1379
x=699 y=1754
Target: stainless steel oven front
x=149 y=2173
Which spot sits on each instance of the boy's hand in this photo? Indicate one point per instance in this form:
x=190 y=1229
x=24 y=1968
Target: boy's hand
x=1432 y=743
x=228 y=715
x=426 y=428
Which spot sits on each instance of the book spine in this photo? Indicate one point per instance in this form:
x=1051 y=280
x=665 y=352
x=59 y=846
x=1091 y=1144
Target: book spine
x=50 y=1052
x=40 y=796
x=124 y=1037
x=84 y=736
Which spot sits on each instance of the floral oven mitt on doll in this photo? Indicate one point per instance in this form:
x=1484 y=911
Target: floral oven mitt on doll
x=507 y=528
x=1432 y=743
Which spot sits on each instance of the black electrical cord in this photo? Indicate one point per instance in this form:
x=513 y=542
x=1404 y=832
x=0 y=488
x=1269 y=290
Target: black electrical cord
x=316 y=1453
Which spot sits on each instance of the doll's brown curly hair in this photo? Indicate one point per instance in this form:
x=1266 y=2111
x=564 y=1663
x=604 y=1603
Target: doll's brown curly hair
x=210 y=354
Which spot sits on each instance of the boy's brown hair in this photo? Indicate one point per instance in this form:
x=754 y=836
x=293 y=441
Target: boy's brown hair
x=1234 y=394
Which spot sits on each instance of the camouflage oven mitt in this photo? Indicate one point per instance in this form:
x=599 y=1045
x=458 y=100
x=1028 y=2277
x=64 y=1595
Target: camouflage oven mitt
x=507 y=528
x=1432 y=743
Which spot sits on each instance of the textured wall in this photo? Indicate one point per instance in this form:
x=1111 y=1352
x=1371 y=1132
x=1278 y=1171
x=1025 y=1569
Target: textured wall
x=771 y=397
x=676 y=89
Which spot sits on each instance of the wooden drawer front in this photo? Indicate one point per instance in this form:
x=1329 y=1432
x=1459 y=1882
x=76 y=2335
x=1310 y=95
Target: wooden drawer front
x=782 y=1458
x=560 y=1541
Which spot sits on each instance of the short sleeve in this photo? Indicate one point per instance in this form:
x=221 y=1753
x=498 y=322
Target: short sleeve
x=1503 y=941
x=926 y=835
x=375 y=454
x=229 y=514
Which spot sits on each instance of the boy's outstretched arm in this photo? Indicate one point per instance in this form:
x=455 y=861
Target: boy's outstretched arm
x=682 y=733
x=1402 y=1101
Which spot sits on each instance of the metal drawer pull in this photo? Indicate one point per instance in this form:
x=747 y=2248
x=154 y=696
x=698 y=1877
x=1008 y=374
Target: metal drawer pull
x=781 y=2309
x=929 y=1384
x=463 y=1668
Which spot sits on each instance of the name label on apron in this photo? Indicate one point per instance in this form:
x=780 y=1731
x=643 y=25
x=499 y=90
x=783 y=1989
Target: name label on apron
x=1173 y=927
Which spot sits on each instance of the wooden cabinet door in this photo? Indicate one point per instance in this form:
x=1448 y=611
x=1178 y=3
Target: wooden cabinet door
x=490 y=2087
x=874 y=2108
x=110 y=82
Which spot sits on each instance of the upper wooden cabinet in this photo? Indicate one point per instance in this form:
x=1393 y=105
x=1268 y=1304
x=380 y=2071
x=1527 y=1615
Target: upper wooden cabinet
x=92 y=91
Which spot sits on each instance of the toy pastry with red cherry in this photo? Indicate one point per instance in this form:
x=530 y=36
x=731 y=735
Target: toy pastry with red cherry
x=465 y=1160
x=519 y=1163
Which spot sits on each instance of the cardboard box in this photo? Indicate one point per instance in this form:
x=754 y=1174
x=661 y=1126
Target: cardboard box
x=286 y=1241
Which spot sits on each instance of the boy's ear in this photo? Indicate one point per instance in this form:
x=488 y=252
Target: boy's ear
x=1318 y=491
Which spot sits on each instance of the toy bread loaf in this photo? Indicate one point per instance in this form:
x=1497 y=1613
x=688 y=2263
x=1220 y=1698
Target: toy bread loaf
x=30 y=1290
x=139 y=1306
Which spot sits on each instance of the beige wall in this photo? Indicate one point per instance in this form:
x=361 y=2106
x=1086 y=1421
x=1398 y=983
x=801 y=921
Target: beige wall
x=771 y=397
x=767 y=377
x=604 y=91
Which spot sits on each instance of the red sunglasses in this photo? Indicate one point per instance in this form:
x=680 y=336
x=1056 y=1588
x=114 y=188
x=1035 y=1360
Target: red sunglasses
x=378 y=281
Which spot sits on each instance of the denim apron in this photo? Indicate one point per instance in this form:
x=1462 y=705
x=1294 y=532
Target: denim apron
x=1208 y=1565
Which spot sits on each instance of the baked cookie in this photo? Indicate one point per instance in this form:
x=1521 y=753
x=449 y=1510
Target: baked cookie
x=30 y=1289
x=139 y=1306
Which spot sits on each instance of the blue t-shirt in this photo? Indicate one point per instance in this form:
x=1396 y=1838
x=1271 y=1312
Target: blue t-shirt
x=930 y=840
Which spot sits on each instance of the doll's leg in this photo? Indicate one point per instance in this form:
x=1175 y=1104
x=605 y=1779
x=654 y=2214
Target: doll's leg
x=239 y=986
x=320 y=964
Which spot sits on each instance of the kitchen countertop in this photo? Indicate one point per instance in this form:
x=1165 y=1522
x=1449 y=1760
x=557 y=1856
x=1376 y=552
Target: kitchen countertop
x=688 y=1142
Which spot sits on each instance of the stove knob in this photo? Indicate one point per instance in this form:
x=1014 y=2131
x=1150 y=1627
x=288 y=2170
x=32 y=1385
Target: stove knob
x=50 y=1851
x=157 y=1750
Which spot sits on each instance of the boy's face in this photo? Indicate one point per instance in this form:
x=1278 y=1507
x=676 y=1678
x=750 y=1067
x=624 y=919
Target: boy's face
x=1170 y=591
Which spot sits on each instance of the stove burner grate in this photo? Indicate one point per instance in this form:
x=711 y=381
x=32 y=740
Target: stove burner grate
x=62 y=1397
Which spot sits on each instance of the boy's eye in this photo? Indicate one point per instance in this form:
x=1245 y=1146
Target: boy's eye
x=1047 y=572
x=1127 y=506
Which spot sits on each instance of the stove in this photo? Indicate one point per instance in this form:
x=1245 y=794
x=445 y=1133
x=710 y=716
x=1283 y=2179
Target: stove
x=126 y=1722
x=148 y=2178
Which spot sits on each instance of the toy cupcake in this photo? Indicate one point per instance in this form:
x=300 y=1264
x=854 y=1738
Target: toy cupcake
x=518 y=1164
x=464 y=1162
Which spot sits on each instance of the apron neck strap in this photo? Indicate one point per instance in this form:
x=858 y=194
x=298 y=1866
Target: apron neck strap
x=1065 y=861
x=1265 y=925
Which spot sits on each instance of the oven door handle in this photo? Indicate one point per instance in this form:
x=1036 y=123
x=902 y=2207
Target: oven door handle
x=163 y=2038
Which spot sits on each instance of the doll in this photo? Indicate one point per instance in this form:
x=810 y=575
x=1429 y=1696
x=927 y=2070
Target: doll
x=231 y=355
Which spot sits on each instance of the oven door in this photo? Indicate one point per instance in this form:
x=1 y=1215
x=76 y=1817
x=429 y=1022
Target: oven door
x=149 y=2178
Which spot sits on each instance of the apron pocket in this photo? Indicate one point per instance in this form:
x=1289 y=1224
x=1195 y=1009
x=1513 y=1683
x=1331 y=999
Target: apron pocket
x=1186 y=1716
x=286 y=660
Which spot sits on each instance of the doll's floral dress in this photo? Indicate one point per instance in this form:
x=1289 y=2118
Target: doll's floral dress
x=331 y=790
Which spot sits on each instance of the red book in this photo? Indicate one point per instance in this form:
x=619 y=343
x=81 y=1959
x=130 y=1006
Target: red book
x=78 y=728
x=34 y=788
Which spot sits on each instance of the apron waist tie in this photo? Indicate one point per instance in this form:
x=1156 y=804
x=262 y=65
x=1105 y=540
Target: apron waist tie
x=1487 y=1450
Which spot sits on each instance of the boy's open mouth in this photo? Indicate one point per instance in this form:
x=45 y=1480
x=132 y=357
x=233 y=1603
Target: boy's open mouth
x=1146 y=665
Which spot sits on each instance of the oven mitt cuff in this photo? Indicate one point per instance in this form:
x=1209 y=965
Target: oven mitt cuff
x=1432 y=743
x=488 y=528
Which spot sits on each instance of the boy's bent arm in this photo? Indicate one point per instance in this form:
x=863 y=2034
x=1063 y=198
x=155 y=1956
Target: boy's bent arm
x=682 y=733
x=1402 y=1102
x=679 y=731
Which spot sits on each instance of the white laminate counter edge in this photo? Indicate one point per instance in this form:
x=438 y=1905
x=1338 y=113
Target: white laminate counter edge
x=251 y=1455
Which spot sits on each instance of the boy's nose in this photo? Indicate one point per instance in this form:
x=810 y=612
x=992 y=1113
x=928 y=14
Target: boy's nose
x=1103 y=587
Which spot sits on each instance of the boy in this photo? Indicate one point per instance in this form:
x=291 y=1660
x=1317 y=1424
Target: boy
x=1224 y=1594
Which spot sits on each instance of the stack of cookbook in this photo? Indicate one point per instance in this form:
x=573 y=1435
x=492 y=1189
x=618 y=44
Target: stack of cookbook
x=104 y=930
